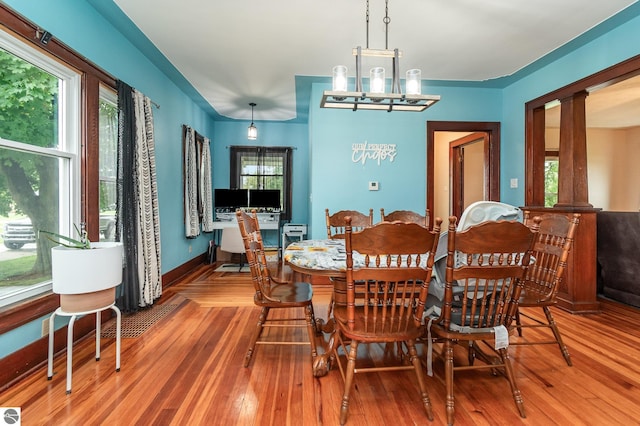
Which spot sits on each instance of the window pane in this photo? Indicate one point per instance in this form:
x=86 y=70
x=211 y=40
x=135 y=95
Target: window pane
x=263 y=168
x=28 y=102
x=32 y=203
x=38 y=139
x=108 y=157
x=550 y=182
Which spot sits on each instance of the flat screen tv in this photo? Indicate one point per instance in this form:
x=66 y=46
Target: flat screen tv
x=231 y=198
x=264 y=198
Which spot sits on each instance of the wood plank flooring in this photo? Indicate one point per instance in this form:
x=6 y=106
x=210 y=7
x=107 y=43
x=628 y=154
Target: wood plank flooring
x=187 y=369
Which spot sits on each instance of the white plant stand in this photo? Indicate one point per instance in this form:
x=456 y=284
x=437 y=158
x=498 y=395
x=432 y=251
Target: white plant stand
x=73 y=316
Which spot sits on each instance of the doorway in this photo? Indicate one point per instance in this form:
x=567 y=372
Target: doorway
x=463 y=176
x=469 y=182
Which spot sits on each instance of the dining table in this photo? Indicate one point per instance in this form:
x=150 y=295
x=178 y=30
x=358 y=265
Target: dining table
x=326 y=258
x=321 y=258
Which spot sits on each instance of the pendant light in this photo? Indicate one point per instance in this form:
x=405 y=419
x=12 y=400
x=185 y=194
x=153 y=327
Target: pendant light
x=377 y=98
x=252 y=133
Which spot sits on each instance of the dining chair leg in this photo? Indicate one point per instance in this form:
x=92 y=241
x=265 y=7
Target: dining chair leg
x=556 y=334
x=518 y=323
x=256 y=334
x=311 y=329
x=348 y=382
x=517 y=396
x=422 y=382
x=448 y=373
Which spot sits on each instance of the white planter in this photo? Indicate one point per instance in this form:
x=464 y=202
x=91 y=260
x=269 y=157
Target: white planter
x=86 y=279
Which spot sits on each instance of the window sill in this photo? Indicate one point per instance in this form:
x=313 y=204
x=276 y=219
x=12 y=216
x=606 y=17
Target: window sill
x=21 y=313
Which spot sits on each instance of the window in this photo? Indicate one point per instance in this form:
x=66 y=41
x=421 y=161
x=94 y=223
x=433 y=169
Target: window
x=39 y=140
x=551 y=178
x=51 y=176
x=263 y=168
x=108 y=137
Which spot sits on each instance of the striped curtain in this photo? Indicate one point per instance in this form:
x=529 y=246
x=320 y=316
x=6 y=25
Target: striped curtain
x=206 y=189
x=138 y=219
x=198 y=200
x=191 y=214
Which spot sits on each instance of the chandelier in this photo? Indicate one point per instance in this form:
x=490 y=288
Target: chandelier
x=376 y=98
x=252 y=131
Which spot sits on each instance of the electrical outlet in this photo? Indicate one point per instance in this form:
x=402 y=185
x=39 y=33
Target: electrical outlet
x=45 y=327
x=190 y=249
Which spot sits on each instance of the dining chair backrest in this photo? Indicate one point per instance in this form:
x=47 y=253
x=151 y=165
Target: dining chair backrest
x=387 y=283
x=555 y=238
x=391 y=278
x=336 y=222
x=254 y=248
x=406 y=216
x=486 y=264
x=273 y=293
x=543 y=278
x=485 y=267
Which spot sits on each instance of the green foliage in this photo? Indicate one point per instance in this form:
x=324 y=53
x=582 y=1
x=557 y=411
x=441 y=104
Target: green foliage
x=550 y=183
x=29 y=114
x=82 y=243
x=15 y=272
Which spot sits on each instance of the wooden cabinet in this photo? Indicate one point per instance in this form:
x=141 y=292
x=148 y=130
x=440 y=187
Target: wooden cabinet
x=578 y=290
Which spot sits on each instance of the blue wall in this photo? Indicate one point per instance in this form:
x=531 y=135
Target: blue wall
x=593 y=52
x=296 y=135
x=324 y=175
x=338 y=183
x=77 y=24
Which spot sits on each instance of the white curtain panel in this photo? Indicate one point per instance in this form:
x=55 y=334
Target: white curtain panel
x=205 y=187
x=191 y=218
x=149 y=268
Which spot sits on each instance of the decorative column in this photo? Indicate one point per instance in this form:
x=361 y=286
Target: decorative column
x=573 y=187
x=577 y=292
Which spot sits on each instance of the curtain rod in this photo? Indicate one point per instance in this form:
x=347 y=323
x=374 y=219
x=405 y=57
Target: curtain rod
x=258 y=146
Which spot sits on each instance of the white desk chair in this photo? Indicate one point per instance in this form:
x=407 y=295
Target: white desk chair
x=231 y=242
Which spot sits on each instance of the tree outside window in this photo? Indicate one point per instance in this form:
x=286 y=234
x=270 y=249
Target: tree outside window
x=550 y=181
x=37 y=147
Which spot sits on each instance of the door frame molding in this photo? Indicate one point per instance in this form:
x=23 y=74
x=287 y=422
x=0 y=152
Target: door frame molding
x=456 y=169
x=492 y=160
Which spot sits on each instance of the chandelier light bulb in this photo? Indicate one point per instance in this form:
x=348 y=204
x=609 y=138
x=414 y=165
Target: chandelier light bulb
x=376 y=80
x=340 y=78
x=413 y=82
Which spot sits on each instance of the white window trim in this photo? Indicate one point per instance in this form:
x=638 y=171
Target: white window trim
x=68 y=137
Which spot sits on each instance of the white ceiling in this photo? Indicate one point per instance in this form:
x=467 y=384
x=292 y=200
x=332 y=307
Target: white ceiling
x=241 y=51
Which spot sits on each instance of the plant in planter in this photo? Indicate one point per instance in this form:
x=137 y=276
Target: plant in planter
x=85 y=274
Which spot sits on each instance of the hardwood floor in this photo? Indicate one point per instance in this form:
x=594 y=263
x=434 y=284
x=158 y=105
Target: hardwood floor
x=187 y=369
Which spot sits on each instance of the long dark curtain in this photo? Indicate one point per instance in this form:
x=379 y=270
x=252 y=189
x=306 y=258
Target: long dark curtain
x=137 y=218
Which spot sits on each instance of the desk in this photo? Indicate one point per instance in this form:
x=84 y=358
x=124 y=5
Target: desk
x=222 y=224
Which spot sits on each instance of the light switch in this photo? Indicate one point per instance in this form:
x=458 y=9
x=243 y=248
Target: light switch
x=373 y=186
x=514 y=182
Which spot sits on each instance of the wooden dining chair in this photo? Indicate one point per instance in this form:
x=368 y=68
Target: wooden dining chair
x=386 y=289
x=544 y=276
x=485 y=267
x=271 y=293
x=406 y=216
x=336 y=222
